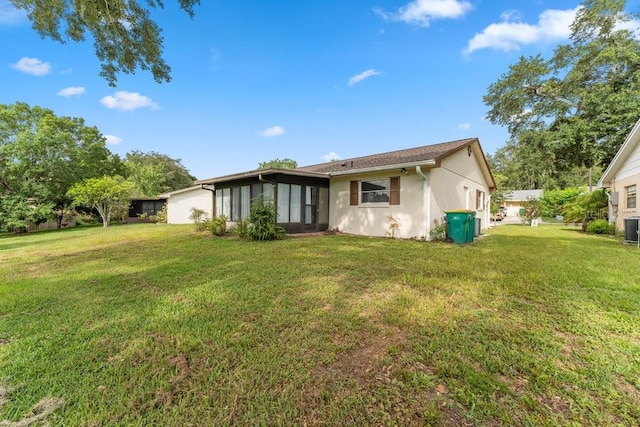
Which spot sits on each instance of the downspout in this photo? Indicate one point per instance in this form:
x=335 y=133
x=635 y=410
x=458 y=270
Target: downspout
x=426 y=203
x=213 y=198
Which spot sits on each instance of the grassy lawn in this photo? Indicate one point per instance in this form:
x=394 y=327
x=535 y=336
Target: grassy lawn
x=158 y=325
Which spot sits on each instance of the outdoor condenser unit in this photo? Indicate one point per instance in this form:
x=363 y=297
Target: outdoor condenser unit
x=631 y=226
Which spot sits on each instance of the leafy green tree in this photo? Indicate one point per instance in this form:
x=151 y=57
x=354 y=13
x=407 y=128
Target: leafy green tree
x=554 y=201
x=41 y=156
x=108 y=195
x=574 y=109
x=531 y=208
x=124 y=35
x=153 y=173
x=586 y=207
x=278 y=164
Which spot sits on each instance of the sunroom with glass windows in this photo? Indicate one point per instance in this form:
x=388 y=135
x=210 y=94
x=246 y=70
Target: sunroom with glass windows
x=301 y=198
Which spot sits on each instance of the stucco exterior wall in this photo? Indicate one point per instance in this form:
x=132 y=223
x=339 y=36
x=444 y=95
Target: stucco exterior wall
x=373 y=219
x=622 y=210
x=179 y=205
x=454 y=185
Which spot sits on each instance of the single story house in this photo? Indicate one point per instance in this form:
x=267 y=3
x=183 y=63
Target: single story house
x=403 y=193
x=622 y=178
x=513 y=201
x=181 y=202
x=141 y=207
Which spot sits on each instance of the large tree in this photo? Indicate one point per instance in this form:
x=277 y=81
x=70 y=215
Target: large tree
x=124 y=35
x=574 y=109
x=153 y=173
x=41 y=156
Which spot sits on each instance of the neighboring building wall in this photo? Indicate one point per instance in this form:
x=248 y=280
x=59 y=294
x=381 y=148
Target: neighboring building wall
x=454 y=185
x=623 y=211
x=374 y=220
x=179 y=205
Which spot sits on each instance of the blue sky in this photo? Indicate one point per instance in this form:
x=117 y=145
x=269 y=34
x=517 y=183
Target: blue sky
x=311 y=81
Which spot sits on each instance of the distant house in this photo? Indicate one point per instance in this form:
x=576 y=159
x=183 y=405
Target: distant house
x=622 y=178
x=515 y=198
x=181 y=202
x=143 y=207
x=401 y=192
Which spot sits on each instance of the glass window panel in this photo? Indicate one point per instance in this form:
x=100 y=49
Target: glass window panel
x=375 y=191
x=267 y=192
x=245 y=202
x=219 y=202
x=235 y=204
x=283 y=202
x=296 y=194
x=226 y=202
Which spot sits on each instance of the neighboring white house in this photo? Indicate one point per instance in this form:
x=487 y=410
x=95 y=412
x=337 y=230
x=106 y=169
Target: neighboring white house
x=514 y=199
x=622 y=178
x=402 y=192
x=180 y=203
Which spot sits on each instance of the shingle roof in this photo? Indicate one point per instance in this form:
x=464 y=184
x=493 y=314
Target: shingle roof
x=411 y=155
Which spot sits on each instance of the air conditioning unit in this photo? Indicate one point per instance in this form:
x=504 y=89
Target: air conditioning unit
x=631 y=227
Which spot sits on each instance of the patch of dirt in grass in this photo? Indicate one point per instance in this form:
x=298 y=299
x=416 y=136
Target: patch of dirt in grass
x=629 y=389
x=178 y=383
x=362 y=363
x=39 y=411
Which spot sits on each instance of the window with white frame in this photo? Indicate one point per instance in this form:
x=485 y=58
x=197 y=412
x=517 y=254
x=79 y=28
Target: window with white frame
x=479 y=200
x=631 y=196
x=374 y=191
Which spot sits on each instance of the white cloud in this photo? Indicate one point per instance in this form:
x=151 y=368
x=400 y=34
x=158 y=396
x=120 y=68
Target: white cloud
x=71 y=91
x=464 y=126
x=128 y=101
x=362 y=76
x=112 y=139
x=32 y=66
x=511 y=34
x=422 y=12
x=9 y=15
x=331 y=156
x=271 y=132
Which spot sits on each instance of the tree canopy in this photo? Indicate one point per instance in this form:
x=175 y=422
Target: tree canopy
x=41 y=156
x=573 y=110
x=124 y=35
x=278 y=164
x=153 y=173
x=107 y=194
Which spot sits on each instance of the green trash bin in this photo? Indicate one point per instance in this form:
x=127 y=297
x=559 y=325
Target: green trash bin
x=460 y=226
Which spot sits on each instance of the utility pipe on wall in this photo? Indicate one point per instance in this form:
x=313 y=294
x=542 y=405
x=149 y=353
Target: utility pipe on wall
x=426 y=202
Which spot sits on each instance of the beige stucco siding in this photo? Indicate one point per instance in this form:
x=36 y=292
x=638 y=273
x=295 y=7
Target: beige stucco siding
x=622 y=210
x=450 y=186
x=374 y=219
x=454 y=185
x=179 y=205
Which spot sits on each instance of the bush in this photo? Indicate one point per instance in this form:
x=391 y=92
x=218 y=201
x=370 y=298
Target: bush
x=242 y=228
x=439 y=231
x=199 y=218
x=160 y=216
x=217 y=225
x=601 y=226
x=263 y=222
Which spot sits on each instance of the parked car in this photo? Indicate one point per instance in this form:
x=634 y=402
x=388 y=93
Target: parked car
x=497 y=216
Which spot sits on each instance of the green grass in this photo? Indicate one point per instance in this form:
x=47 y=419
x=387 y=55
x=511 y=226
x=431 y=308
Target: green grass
x=157 y=325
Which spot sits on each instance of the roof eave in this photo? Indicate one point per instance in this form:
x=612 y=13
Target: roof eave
x=429 y=163
x=259 y=172
x=622 y=154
